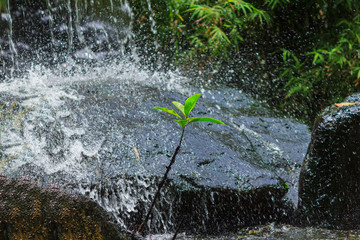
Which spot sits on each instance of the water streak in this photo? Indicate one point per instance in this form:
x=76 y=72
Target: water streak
x=51 y=22
x=12 y=48
x=77 y=23
x=70 y=28
x=153 y=24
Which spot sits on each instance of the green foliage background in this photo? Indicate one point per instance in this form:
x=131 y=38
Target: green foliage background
x=301 y=55
x=310 y=48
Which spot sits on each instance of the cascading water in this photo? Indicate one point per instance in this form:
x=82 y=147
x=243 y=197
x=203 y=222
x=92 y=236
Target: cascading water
x=54 y=33
x=89 y=125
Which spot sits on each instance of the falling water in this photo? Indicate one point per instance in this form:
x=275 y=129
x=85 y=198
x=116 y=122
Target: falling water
x=51 y=22
x=77 y=23
x=70 y=28
x=12 y=47
x=153 y=23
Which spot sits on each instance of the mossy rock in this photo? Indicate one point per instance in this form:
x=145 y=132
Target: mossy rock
x=30 y=212
x=329 y=182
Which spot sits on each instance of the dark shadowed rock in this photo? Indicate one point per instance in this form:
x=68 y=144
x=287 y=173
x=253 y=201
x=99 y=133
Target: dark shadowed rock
x=30 y=212
x=110 y=145
x=329 y=181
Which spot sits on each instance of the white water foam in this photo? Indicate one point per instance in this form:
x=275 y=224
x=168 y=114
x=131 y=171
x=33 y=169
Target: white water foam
x=44 y=93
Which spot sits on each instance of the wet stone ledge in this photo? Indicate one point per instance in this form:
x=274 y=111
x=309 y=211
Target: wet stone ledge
x=30 y=212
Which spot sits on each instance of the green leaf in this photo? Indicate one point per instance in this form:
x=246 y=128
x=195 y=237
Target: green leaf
x=286 y=54
x=274 y=3
x=219 y=35
x=358 y=73
x=190 y=103
x=179 y=106
x=300 y=88
x=205 y=119
x=182 y=123
x=168 y=111
x=286 y=72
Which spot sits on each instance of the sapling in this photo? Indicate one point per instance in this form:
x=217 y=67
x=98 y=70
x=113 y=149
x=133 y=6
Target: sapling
x=183 y=121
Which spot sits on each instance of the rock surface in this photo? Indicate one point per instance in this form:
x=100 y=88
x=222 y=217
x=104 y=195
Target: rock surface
x=329 y=180
x=102 y=138
x=30 y=212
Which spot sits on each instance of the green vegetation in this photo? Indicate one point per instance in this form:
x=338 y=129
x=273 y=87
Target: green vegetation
x=217 y=26
x=196 y=29
x=2 y=5
x=185 y=109
x=327 y=73
x=310 y=48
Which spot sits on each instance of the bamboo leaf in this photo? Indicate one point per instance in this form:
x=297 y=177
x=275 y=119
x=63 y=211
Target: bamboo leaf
x=168 y=111
x=316 y=55
x=179 y=16
x=205 y=119
x=219 y=35
x=357 y=37
x=299 y=88
x=190 y=103
x=285 y=73
x=274 y=3
x=286 y=54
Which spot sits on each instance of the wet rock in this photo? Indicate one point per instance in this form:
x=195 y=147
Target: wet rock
x=30 y=212
x=329 y=181
x=220 y=210
x=110 y=145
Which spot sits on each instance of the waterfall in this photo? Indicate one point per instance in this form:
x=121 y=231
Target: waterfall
x=12 y=51
x=63 y=32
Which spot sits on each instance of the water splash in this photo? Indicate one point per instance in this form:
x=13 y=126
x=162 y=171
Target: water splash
x=56 y=139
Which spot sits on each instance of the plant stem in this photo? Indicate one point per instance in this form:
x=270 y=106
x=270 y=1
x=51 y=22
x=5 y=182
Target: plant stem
x=161 y=184
x=178 y=228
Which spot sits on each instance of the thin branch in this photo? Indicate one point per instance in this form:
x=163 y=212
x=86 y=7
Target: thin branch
x=161 y=184
x=178 y=228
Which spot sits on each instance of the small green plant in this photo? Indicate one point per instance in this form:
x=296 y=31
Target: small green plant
x=185 y=110
x=183 y=122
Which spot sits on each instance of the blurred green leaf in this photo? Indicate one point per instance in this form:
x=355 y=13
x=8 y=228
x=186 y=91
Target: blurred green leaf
x=274 y=3
x=168 y=111
x=182 y=123
x=219 y=35
x=190 y=103
x=205 y=119
x=179 y=106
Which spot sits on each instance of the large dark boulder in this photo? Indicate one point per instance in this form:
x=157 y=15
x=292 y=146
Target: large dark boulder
x=224 y=178
x=329 y=181
x=30 y=212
